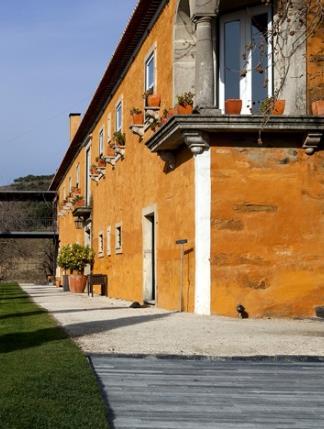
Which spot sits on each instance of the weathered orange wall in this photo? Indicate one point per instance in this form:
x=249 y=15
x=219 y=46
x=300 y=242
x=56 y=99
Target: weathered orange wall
x=267 y=230
x=315 y=62
x=67 y=230
x=139 y=181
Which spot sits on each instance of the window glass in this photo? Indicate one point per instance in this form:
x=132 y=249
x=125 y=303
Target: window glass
x=259 y=46
x=77 y=181
x=119 y=116
x=101 y=142
x=149 y=71
x=232 y=40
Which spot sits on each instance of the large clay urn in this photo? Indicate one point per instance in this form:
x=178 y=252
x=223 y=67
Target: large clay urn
x=77 y=283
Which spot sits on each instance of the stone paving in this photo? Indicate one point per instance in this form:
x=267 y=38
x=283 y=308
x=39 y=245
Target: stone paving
x=101 y=325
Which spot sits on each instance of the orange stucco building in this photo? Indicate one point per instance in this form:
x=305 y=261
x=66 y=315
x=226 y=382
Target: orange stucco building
x=249 y=205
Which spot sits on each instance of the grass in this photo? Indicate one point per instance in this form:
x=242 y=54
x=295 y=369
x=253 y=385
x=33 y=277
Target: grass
x=45 y=380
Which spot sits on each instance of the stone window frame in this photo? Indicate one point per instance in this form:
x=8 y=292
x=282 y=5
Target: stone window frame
x=101 y=141
x=109 y=128
x=108 y=239
x=101 y=244
x=151 y=52
x=77 y=175
x=120 y=103
x=118 y=238
x=243 y=15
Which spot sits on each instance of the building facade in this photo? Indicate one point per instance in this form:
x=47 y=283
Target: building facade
x=206 y=211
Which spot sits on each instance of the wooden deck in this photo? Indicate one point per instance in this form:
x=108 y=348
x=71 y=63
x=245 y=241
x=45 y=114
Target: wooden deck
x=204 y=394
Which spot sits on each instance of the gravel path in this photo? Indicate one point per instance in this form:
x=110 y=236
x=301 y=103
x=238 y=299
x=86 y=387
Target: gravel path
x=102 y=325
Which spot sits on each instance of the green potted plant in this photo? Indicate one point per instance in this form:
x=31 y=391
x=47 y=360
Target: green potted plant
x=80 y=257
x=79 y=201
x=137 y=116
x=272 y=106
x=101 y=162
x=64 y=262
x=119 y=138
x=151 y=99
x=185 y=103
x=93 y=169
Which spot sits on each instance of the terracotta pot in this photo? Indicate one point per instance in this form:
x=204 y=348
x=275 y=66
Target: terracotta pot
x=80 y=203
x=110 y=151
x=101 y=163
x=233 y=106
x=138 y=118
x=184 y=109
x=76 y=191
x=153 y=100
x=77 y=283
x=318 y=108
x=279 y=107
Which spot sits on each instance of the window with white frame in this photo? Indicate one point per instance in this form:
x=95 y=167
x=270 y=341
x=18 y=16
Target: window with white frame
x=245 y=58
x=101 y=142
x=150 y=72
x=109 y=241
x=100 y=244
x=118 y=238
x=77 y=176
x=119 y=116
x=109 y=135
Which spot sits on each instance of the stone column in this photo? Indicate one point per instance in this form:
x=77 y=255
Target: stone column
x=204 y=63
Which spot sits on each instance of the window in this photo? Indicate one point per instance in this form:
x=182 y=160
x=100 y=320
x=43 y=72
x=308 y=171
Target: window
x=119 y=116
x=118 y=238
x=100 y=244
x=150 y=72
x=245 y=58
x=109 y=128
x=77 y=176
x=109 y=241
x=101 y=142
x=70 y=185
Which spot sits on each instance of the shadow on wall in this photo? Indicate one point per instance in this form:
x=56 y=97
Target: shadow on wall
x=24 y=340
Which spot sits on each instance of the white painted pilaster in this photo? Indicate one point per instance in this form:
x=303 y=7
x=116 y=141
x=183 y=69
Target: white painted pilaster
x=202 y=232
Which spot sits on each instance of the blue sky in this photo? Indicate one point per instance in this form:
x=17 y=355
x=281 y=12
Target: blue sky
x=52 y=56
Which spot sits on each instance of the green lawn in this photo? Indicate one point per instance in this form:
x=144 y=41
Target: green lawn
x=45 y=381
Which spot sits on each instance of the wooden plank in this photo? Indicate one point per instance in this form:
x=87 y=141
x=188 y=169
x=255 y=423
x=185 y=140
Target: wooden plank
x=191 y=394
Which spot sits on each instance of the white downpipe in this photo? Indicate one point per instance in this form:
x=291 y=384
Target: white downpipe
x=202 y=232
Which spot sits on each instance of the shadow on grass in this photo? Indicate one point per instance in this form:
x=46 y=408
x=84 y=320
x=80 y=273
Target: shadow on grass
x=23 y=340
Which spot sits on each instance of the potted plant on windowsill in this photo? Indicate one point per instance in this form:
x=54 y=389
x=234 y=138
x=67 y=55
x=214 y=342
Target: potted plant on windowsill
x=79 y=201
x=64 y=262
x=151 y=99
x=272 y=106
x=93 y=169
x=80 y=257
x=185 y=103
x=119 y=138
x=76 y=190
x=233 y=106
x=318 y=106
x=101 y=163
x=137 y=116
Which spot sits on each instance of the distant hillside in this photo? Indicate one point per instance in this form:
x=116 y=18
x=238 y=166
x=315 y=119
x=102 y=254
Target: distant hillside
x=29 y=183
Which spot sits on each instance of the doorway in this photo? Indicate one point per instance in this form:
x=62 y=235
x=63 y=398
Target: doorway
x=149 y=255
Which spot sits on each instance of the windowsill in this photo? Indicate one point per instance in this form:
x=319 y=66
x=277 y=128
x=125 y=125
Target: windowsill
x=170 y=136
x=118 y=251
x=100 y=255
